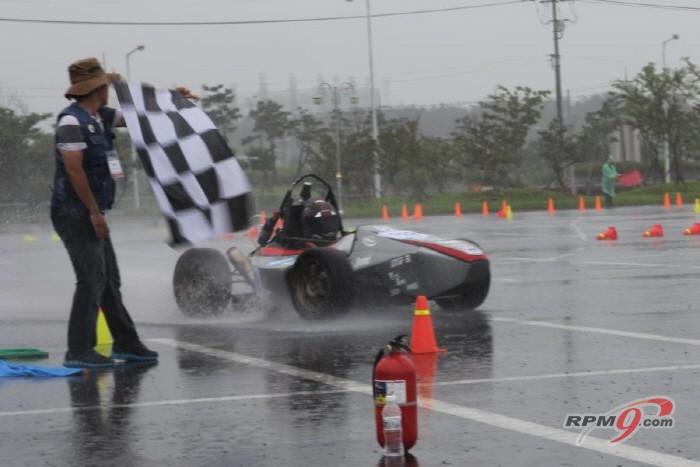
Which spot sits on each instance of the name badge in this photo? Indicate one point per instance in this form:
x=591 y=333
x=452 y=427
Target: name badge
x=115 y=167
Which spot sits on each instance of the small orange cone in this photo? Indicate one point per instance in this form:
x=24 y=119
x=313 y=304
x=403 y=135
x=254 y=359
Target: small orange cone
x=667 y=201
x=423 y=335
x=418 y=212
x=550 y=206
x=693 y=229
x=504 y=206
x=385 y=213
x=656 y=231
x=598 y=208
x=581 y=204
x=458 y=209
x=485 y=209
x=679 y=199
x=404 y=214
x=610 y=234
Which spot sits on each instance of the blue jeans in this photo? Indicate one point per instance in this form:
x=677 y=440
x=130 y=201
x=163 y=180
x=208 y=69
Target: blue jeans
x=97 y=282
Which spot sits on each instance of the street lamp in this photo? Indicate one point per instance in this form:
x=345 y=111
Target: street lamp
x=134 y=173
x=667 y=156
x=375 y=128
x=337 y=92
x=136 y=49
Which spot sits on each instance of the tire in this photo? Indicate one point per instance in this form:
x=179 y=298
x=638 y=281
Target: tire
x=321 y=284
x=202 y=282
x=468 y=296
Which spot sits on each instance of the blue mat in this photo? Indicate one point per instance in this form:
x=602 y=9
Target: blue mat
x=9 y=370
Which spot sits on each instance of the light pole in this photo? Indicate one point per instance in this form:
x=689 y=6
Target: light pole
x=337 y=92
x=375 y=127
x=667 y=156
x=134 y=173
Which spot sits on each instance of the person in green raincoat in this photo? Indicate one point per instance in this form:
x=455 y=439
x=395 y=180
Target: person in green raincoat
x=607 y=184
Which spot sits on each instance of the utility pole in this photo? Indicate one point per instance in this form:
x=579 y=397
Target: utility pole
x=557 y=33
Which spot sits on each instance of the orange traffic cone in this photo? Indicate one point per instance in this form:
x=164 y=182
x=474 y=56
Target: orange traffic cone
x=581 y=204
x=610 y=234
x=404 y=214
x=550 y=206
x=458 y=209
x=485 y=209
x=504 y=206
x=385 y=213
x=679 y=199
x=423 y=335
x=656 y=231
x=418 y=212
x=693 y=229
x=598 y=208
x=667 y=201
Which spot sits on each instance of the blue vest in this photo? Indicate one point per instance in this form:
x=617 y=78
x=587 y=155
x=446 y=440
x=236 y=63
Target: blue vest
x=99 y=142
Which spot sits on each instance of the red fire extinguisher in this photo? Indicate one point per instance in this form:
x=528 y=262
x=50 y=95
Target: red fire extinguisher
x=394 y=373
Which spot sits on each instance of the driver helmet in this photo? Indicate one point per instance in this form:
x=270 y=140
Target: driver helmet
x=320 y=220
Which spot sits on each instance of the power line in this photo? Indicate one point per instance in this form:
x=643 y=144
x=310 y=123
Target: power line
x=643 y=5
x=253 y=22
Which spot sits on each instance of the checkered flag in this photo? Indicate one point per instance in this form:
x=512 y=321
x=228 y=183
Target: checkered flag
x=196 y=179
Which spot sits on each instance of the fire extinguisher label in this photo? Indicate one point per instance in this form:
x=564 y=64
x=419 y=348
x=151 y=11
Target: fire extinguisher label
x=384 y=387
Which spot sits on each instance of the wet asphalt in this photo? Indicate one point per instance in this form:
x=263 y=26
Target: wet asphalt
x=572 y=325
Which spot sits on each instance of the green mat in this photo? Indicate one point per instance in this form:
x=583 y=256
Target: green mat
x=22 y=354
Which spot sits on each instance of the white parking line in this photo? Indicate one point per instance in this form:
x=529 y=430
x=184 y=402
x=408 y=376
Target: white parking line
x=578 y=374
x=165 y=403
x=489 y=418
x=612 y=332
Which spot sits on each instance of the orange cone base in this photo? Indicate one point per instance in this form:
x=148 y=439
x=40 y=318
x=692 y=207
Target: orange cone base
x=610 y=234
x=693 y=229
x=656 y=231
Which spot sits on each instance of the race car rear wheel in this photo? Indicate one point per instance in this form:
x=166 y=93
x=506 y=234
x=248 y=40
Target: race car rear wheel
x=468 y=296
x=321 y=283
x=202 y=282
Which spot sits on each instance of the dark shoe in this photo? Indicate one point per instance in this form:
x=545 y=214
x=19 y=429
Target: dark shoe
x=90 y=359
x=134 y=352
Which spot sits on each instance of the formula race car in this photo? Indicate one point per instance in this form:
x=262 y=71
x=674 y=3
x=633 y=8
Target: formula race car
x=308 y=259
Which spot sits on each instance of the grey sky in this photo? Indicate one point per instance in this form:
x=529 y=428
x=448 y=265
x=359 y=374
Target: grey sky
x=428 y=58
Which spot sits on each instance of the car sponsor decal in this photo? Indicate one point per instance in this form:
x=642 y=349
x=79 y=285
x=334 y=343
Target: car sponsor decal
x=369 y=241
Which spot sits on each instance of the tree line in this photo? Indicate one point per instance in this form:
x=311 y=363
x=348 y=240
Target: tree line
x=495 y=143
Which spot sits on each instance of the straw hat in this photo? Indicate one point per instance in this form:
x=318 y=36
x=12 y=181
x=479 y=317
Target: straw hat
x=86 y=75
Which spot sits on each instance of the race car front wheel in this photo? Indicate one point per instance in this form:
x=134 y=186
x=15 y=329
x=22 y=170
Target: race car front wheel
x=202 y=282
x=321 y=283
